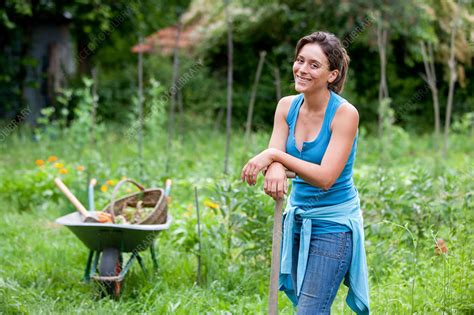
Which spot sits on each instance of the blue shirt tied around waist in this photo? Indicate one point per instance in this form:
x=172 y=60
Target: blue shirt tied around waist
x=313 y=210
x=347 y=214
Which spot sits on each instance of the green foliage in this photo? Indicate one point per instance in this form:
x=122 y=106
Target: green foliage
x=82 y=129
x=465 y=125
x=406 y=201
x=155 y=117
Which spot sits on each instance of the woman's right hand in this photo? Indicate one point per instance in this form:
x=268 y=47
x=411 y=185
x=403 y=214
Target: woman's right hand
x=276 y=183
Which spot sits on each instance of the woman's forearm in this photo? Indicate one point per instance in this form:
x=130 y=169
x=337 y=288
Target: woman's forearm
x=312 y=173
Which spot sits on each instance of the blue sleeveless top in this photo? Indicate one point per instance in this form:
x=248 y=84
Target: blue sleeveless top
x=306 y=196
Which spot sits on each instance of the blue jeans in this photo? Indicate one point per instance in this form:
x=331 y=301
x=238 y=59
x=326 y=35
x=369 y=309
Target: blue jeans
x=329 y=259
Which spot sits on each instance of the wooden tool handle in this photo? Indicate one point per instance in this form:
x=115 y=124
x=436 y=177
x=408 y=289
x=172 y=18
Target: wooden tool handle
x=275 y=266
x=93 y=182
x=168 y=184
x=276 y=254
x=71 y=197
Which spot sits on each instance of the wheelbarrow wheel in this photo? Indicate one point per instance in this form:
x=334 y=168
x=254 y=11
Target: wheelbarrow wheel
x=110 y=265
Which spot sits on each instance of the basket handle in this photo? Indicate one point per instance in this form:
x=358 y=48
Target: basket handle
x=114 y=193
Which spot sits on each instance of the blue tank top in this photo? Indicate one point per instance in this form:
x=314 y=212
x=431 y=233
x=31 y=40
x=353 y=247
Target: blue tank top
x=304 y=195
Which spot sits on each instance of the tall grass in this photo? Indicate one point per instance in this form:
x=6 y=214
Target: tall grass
x=407 y=204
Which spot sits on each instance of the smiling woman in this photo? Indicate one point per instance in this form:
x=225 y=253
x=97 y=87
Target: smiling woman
x=315 y=135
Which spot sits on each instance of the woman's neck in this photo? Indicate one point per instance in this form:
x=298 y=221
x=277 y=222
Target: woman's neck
x=317 y=100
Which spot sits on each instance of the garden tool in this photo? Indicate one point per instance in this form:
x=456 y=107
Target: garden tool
x=92 y=183
x=276 y=253
x=168 y=184
x=88 y=218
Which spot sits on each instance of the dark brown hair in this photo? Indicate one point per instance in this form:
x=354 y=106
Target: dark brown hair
x=334 y=51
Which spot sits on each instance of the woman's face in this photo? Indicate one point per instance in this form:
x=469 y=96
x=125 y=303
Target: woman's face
x=311 y=69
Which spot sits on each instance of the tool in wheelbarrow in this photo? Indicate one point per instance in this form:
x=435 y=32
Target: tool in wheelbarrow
x=108 y=242
x=276 y=253
x=92 y=183
x=88 y=217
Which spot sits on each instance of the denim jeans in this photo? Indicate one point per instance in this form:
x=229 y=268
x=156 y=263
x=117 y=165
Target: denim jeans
x=329 y=259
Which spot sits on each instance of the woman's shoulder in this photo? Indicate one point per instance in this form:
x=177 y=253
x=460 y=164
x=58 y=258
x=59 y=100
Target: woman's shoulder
x=343 y=107
x=346 y=114
x=284 y=105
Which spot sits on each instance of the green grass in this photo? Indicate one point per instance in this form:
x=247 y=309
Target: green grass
x=409 y=197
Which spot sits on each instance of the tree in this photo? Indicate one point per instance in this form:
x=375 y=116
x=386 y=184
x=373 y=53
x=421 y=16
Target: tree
x=230 y=54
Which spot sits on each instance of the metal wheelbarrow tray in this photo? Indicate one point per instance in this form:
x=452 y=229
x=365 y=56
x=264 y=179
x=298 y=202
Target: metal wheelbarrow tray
x=110 y=241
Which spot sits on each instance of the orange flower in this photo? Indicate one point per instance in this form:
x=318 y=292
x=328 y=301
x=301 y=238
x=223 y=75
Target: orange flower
x=39 y=162
x=80 y=168
x=52 y=158
x=110 y=182
x=104 y=188
x=59 y=165
x=440 y=247
x=63 y=171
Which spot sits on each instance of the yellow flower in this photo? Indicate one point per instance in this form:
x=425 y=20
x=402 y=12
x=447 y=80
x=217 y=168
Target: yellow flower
x=211 y=204
x=58 y=165
x=80 y=168
x=104 y=188
x=110 y=182
x=188 y=213
x=52 y=158
x=63 y=171
x=123 y=177
x=39 y=162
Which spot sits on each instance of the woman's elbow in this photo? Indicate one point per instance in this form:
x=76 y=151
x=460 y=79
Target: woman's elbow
x=327 y=183
x=326 y=186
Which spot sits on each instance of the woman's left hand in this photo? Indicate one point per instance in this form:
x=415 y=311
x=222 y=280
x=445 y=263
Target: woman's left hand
x=255 y=165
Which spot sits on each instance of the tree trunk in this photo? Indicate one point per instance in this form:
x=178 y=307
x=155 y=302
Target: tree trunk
x=276 y=73
x=452 y=82
x=181 y=113
x=230 y=53
x=95 y=98
x=140 y=111
x=248 y=126
x=428 y=61
x=217 y=123
x=173 y=94
x=382 y=35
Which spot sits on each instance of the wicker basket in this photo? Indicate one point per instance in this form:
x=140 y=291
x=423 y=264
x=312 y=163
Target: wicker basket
x=153 y=198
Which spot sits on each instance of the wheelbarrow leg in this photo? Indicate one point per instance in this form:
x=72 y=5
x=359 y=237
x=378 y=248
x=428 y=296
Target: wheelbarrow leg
x=87 y=273
x=95 y=263
x=140 y=261
x=128 y=265
x=153 y=256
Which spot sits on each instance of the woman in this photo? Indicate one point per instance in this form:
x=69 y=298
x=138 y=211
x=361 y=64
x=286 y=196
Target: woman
x=315 y=135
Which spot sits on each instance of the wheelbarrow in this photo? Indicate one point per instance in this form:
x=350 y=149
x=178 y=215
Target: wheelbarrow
x=107 y=242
